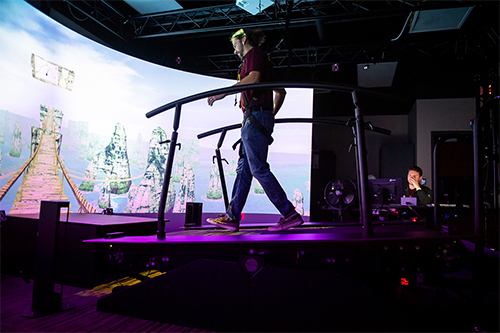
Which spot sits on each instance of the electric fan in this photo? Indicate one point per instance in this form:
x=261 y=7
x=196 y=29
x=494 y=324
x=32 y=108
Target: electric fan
x=340 y=193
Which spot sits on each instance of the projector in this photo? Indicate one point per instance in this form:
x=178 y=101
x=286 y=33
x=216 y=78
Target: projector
x=254 y=6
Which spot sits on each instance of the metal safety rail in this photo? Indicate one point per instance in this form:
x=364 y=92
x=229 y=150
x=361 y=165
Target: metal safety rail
x=358 y=129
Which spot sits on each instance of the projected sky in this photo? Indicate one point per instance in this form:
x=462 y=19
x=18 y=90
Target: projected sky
x=73 y=127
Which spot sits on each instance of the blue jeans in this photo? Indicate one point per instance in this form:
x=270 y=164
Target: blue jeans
x=253 y=163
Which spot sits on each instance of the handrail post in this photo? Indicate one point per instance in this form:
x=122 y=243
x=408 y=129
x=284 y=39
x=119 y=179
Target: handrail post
x=362 y=169
x=221 y=169
x=168 y=173
x=478 y=199
x=479 y=214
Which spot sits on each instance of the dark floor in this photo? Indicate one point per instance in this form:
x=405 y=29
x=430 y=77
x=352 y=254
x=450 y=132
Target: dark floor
x=16 y=299
x=451 y=309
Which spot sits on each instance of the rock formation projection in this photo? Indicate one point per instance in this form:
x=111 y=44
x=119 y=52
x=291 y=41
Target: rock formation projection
x=191 y=153
x=105 y=196
x=145 y=198
x=15 y=151
x=5 y=124
x=177 y=167
x=257 y=189
x=50 y=124
x=137 y=151
x=214 y=191
x=188 y=154
x=50 y=120
x=298 y=201
x=186 y=190
x=94 y=147
x=33 y=125
x=113 y=161
x=233 y=164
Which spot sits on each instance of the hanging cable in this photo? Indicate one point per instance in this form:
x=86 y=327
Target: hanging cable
x=76 y=18
x=404 y=27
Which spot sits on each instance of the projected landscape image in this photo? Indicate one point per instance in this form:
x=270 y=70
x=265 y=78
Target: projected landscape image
x=73 y=128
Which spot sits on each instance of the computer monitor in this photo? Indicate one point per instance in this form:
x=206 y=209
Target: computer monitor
x=387 y=191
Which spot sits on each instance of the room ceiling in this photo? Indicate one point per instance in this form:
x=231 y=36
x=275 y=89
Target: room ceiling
x=305 y=39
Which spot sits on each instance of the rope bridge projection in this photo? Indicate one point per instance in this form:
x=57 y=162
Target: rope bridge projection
x=101 y=180
x=42 y=180
x=84 y=204
x=25 y=197
x=10 y=171
x=6 y=187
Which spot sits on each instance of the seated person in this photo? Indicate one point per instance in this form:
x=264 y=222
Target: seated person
x=417 y=190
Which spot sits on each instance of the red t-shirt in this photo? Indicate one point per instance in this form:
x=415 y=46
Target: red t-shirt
x=256 y=60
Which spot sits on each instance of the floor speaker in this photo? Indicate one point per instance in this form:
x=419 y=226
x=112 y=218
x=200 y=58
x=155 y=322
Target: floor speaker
x=193 y=214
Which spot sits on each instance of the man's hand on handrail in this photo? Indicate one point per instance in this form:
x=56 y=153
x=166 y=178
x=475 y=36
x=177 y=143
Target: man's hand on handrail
x=212 y=99
x=253 y=77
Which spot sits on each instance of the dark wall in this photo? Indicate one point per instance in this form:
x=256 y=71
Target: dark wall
x=388 y=156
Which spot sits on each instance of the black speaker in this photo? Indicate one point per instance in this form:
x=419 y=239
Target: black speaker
x=45 y=300
x=193 y=214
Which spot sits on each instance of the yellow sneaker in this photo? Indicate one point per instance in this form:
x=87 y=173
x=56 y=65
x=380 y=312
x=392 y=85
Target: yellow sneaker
x=223 y=222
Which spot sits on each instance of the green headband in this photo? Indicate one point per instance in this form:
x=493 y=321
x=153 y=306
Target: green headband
x=238 y=34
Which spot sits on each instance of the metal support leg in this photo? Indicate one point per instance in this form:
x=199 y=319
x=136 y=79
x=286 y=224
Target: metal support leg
x=221 y=169
x=365 y=212
x=168 y=173
x=478 y=269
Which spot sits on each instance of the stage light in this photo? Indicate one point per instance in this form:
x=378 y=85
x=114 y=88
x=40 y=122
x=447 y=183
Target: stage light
x=335 y=67
x=153 y=6
x=254 y=6
x=376 y=74
x=439 y=19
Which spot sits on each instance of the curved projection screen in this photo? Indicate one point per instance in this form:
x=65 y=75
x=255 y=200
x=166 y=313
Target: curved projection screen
x=73 y=128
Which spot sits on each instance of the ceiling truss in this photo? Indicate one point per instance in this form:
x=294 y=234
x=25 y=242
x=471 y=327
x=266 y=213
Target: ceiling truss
x=122 y=22
x=229 y=16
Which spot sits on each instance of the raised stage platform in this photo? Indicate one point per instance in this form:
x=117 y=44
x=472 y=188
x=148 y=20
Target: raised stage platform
x=312 y=246
x=316 y=277
x=307 y=278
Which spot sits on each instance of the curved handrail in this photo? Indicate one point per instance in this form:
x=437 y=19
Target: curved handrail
x=270 y=85
x=298 y=120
